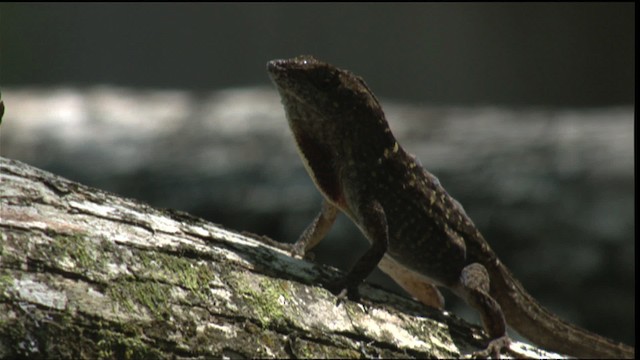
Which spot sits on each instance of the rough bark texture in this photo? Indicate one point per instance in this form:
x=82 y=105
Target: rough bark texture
x=87 y=274
x=552 y=190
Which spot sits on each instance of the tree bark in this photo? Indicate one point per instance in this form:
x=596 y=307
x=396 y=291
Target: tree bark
x=87 y=274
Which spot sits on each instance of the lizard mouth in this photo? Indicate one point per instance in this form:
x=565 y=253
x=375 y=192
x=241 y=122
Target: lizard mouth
x=275 y=66
x=278 y=72
x=279 y=68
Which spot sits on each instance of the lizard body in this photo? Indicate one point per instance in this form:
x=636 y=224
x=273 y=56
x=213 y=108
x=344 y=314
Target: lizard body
x=419 y=234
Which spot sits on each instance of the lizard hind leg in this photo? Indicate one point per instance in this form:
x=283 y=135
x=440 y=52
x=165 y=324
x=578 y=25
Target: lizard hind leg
x=474 y=288
x=413 y=283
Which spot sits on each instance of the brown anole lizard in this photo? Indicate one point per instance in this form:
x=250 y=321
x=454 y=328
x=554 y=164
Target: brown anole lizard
x=419 y=234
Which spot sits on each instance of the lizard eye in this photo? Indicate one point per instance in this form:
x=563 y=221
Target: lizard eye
x=324 y=81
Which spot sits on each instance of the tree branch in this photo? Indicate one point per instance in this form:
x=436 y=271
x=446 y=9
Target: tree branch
x=87 y=274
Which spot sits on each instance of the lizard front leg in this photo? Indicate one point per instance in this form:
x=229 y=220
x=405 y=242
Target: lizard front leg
x=316 y=231
x=424 y=291
x=373 y=223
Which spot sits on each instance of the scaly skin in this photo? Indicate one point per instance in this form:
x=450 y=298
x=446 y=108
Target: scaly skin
x=419 y=234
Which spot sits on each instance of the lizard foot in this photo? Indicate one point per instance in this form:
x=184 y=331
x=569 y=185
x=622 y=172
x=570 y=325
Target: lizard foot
x=343 y=290
x=495 y=347
x=298 y=251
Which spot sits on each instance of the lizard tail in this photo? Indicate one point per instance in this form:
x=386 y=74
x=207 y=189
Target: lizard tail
x=531 y=320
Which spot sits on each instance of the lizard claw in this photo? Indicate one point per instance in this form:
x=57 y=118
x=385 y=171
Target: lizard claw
x=343 y=290
x=297 y=250
x=495 y=347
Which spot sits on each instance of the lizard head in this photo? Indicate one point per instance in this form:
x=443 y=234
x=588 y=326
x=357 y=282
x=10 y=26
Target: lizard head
x=336 y=120
x=332 y=105
x=320 y=86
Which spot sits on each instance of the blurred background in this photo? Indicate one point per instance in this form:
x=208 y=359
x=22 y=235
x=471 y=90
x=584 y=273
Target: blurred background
x=524 y=112
x=571 y=54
